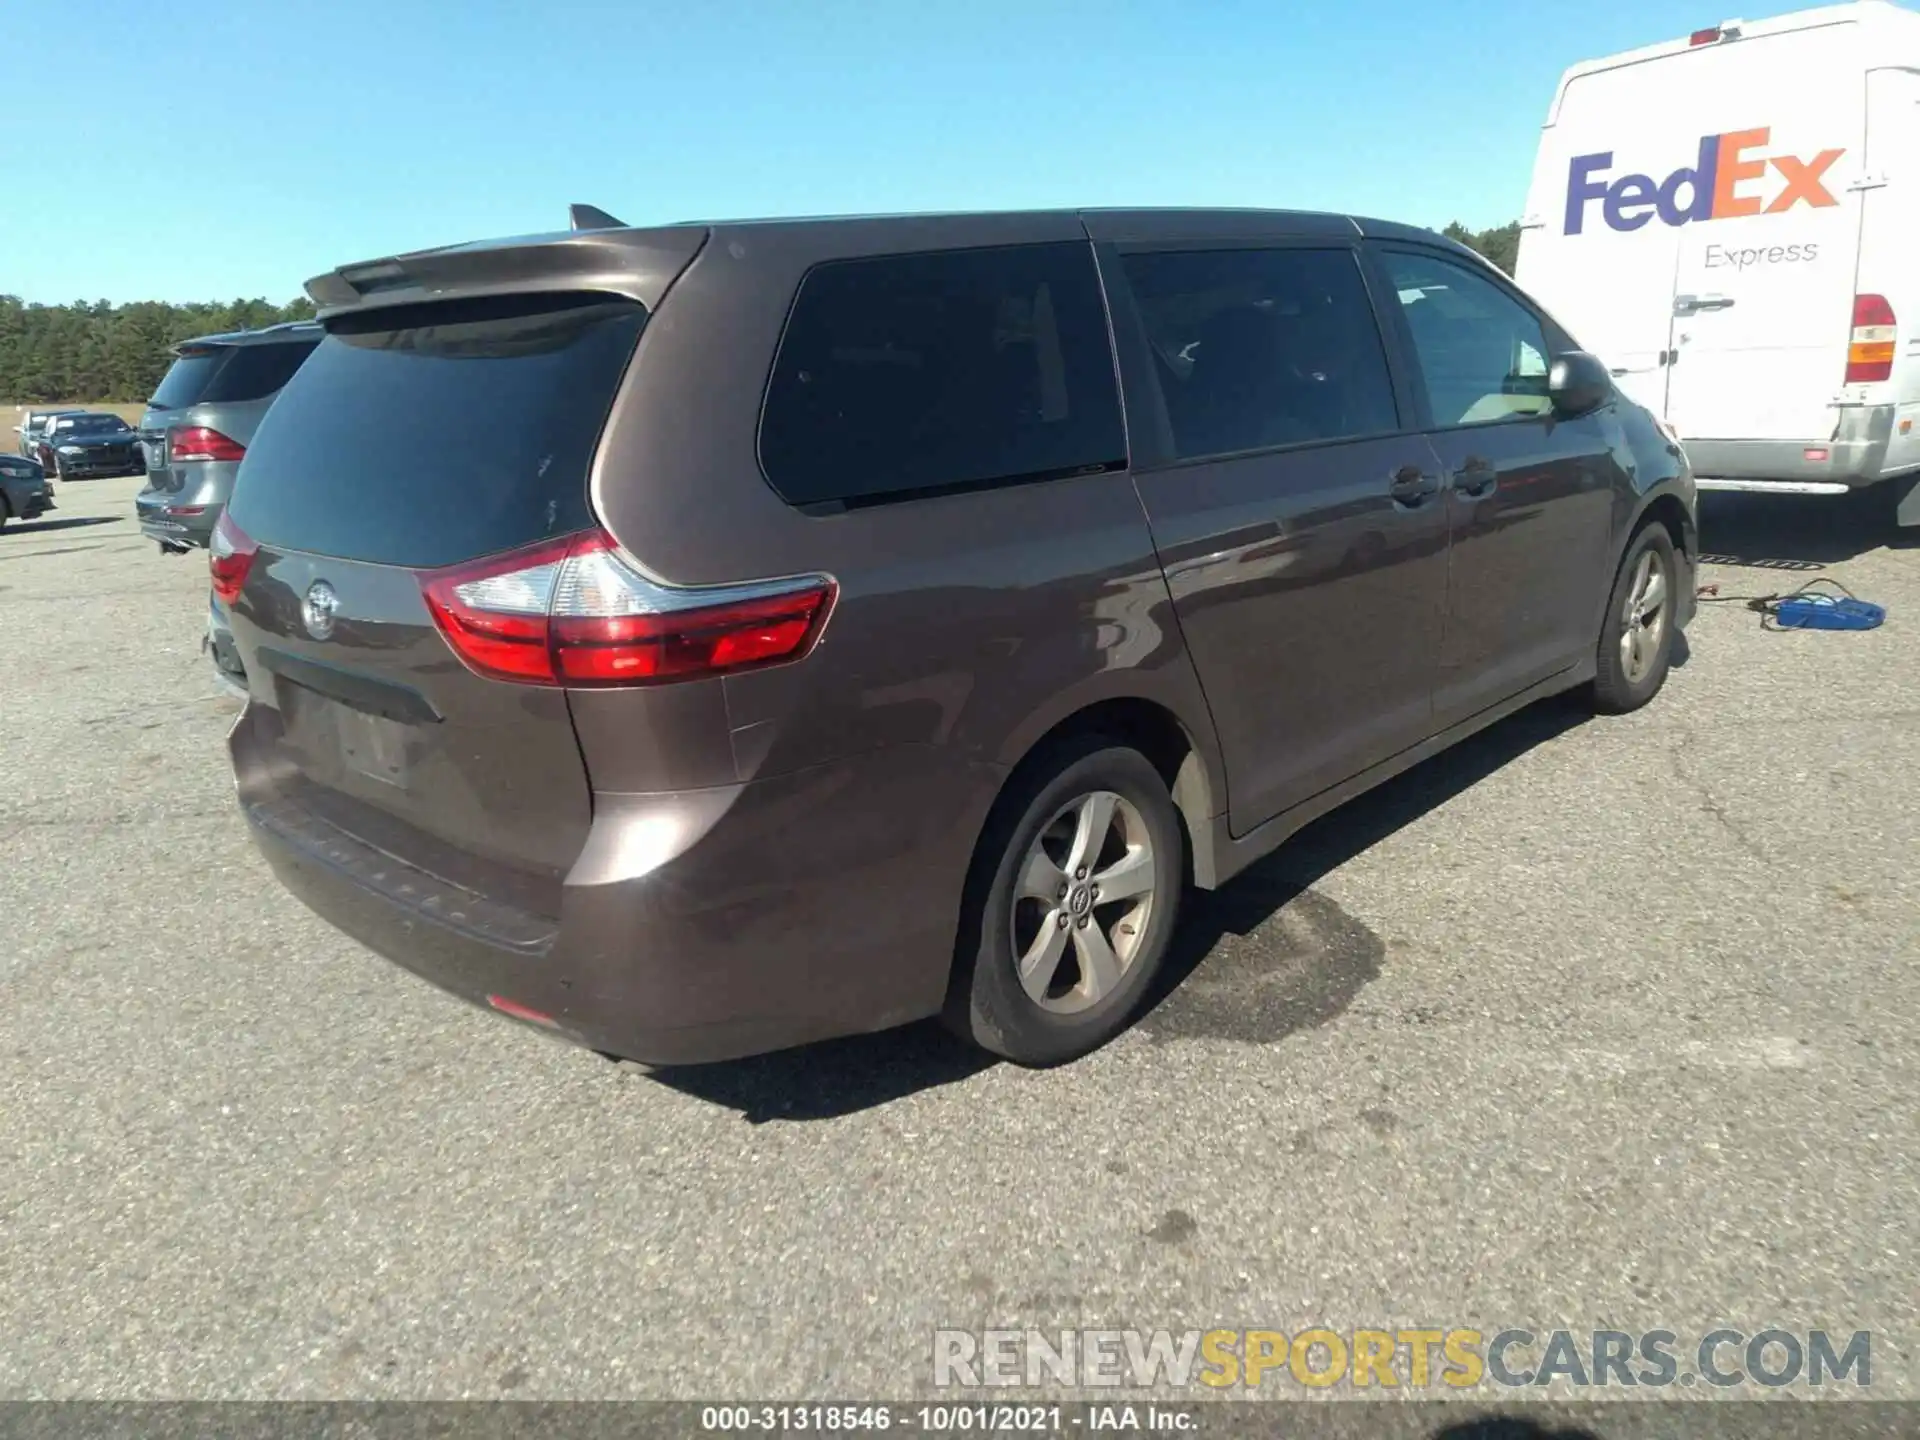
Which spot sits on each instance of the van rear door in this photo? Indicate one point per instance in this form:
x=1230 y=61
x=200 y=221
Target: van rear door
x=1608 y=287
x=1763 y=290
x=1695 y=206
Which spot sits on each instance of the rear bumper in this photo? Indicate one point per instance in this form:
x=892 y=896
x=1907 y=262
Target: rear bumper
x=228 y=670
x=84 y=467
x=695 y=926
x=1855 y=456
x=162 y=518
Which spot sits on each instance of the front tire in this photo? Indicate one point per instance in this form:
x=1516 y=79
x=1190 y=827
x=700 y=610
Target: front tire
x=1637 y=635
x=1065 y=932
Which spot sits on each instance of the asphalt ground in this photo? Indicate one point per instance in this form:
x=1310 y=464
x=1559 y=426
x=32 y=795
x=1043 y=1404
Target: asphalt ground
x=1586 y=1023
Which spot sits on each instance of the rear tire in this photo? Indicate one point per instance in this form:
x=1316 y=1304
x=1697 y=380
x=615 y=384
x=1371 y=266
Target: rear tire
x=1637 y=634
x=1904 y=492
x=1076 y=887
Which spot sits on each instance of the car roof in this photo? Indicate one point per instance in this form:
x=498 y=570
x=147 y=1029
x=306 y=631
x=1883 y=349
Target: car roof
x=641 y=261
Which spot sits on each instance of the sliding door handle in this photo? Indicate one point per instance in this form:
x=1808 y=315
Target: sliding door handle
x=1476 y=480
x=1412 y=486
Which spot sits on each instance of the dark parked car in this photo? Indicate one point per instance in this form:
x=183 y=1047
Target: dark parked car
x=85 y=445
x=25 y=493
x=200 y=421
x=704 y=639
x=32 y=424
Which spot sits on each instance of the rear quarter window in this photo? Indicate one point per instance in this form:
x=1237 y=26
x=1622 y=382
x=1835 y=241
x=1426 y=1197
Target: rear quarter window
x=917 y=374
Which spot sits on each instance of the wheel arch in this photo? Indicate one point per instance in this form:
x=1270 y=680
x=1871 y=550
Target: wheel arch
x=1664 y=505
x=1181 y=748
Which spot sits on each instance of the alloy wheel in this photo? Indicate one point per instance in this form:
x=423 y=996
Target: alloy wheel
x=1643 y=627
x=1082 y=902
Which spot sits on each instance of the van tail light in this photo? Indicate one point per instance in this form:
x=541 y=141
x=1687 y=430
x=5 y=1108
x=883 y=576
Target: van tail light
x=202 y=442
x=230 y=554
x=1870 y=354
x=573 y=612
x=1704 y=37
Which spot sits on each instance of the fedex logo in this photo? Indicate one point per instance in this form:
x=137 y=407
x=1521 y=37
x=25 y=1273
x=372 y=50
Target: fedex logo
x=1720 y=184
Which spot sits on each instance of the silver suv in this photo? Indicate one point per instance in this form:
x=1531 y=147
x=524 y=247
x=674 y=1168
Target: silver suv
x=200 y=421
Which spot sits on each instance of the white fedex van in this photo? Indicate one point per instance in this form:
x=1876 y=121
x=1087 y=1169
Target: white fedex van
x=1732 y=222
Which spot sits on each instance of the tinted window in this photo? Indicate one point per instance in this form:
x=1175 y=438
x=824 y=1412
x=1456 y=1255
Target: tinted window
x=1256 y=348
x=1482 y=353
x=439 y=434
x=253 y=372
x=928 y=372
x=91 y=425
x=230 y=374
x=185 y=379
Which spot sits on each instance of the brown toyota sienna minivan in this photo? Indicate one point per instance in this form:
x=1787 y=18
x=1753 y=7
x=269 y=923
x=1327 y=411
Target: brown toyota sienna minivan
x=703 y=639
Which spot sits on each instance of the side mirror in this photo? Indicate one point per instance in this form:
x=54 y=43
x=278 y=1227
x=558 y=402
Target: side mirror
x=1578 y=383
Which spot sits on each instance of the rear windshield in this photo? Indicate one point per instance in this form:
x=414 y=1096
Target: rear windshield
x=230 y=374
x=438 y=434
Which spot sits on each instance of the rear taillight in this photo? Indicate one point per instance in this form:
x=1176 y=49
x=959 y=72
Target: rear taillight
x=1870 y=353
x=573 y=612
x=230 y=555
x=202 y=442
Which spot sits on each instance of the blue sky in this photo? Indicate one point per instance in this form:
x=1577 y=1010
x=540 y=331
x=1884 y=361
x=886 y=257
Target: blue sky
x=247 y=144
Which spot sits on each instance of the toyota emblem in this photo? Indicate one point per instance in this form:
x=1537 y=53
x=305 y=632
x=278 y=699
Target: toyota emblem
x=318 y=609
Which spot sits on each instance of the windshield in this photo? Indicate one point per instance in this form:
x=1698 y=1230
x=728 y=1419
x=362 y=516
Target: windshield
x=92 y=425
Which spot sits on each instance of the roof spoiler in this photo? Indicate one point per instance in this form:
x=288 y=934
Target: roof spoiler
x=639 y=264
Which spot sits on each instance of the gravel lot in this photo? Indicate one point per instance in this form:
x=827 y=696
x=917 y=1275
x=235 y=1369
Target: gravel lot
x=1586 y=1023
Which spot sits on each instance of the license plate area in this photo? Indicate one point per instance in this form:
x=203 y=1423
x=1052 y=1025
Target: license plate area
x=336 y=740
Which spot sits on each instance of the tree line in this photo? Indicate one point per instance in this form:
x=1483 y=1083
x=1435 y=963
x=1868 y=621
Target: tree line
x=1501 y=244
x=111 y=353
x=117 y=353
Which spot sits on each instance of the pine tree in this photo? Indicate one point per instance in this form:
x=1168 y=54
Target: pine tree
x=95 y=351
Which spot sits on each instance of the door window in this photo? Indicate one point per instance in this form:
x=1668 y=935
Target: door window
x=1482 y=354
x=1261 y=348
